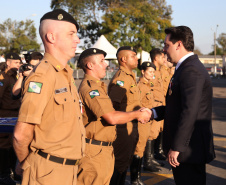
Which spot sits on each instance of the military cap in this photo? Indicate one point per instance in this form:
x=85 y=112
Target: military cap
x=12 y=56
x=89 y=52
x=130 y=48
x=147 y=64
x=60 y=15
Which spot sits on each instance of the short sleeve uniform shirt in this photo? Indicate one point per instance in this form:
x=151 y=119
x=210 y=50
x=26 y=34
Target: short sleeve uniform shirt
x=96 y=103
x=51 y=102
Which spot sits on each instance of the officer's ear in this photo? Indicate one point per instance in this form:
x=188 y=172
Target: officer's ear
x=8 y=62
x=51 y=37
x=89 y=65
x=142 y=72
x=123 y=59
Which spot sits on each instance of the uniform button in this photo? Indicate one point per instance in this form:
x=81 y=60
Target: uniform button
x=65 y=99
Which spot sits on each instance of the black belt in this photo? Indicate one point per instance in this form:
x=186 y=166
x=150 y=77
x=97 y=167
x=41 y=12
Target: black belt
x=58 y=159
x=95 y=142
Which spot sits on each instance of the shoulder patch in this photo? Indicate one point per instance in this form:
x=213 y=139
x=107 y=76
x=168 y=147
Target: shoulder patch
x=94 y=93
x=120 y=83
x=35 y=87
x=1 y=84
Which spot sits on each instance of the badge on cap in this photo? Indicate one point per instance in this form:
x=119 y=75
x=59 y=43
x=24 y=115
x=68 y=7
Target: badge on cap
x=120 y=83
x=94 y=93
x=35 y=87
x=131 y=48
x=148 y=64
x=94 y=51
x=11 y=56
x=60 y=17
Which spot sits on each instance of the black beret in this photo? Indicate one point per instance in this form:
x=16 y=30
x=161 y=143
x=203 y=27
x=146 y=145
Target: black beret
x=12 y=56
x=89 y=52
x=60 y=15
x=130 y=48
x=147 y=64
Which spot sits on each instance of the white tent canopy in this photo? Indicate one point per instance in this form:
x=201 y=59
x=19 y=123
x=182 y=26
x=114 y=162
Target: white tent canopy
x=103 y=44
x=144 y=56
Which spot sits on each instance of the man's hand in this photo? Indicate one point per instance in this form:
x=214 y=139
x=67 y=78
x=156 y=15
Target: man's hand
x=172 y=158
x=26 y=73
x=145 y=115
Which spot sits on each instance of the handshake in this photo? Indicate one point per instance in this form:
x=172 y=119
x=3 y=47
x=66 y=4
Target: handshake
x=145 y=115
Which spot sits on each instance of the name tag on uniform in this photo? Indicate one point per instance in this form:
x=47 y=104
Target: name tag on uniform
x=62 y=90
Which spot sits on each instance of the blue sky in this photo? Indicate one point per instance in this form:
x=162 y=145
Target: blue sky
x=201 y=16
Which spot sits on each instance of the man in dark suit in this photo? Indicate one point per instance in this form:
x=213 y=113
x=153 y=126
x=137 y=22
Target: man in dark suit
x=188 y=135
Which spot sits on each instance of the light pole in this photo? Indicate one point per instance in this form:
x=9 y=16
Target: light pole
x=215 y=60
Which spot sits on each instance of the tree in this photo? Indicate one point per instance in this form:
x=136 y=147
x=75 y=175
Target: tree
x=138 y=23
x=222 y=42
x=88 y=15
x=197 y=51
x=218 y=51
x=18 y=35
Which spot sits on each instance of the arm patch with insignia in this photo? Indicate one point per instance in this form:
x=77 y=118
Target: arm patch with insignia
x=94 y=93
x=120 y=83
x=35 y=87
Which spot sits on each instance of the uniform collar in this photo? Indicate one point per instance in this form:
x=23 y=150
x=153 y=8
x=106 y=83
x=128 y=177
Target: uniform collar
x=55 y=63
x=10 y=72
x=143 y=80
x=127 y=71
x=89 y=77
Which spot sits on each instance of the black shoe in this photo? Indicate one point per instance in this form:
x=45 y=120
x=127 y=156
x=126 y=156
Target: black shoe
x=160 y=156
x=152 y=168
x=158 y=150
x=135 y=171
x=156 y=163
x=7 y=180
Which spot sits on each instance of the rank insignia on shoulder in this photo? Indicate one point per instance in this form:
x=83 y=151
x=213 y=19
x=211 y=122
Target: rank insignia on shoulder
x=120 y=83
x=35 y=87
x=94 y=93
x=152 y=84
x=1 y=84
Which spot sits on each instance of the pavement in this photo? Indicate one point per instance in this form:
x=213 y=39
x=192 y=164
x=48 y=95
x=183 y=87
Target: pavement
x=216 y=170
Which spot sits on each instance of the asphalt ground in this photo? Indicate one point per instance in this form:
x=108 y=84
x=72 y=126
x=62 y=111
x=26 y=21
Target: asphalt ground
x=216 y=170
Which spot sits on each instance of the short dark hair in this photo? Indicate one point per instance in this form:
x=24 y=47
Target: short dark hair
x=182 y=33
x=36 y=56
x=154 y=52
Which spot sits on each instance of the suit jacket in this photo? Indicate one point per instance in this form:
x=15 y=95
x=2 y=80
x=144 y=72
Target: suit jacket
x=187 y=114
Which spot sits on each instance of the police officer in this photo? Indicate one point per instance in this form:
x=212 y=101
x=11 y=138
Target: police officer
x=34 y=59
x=165 y=73
x=99 y=118
x=147 y=100
x=49 y=137
x=8 y=108
x=125 y=95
